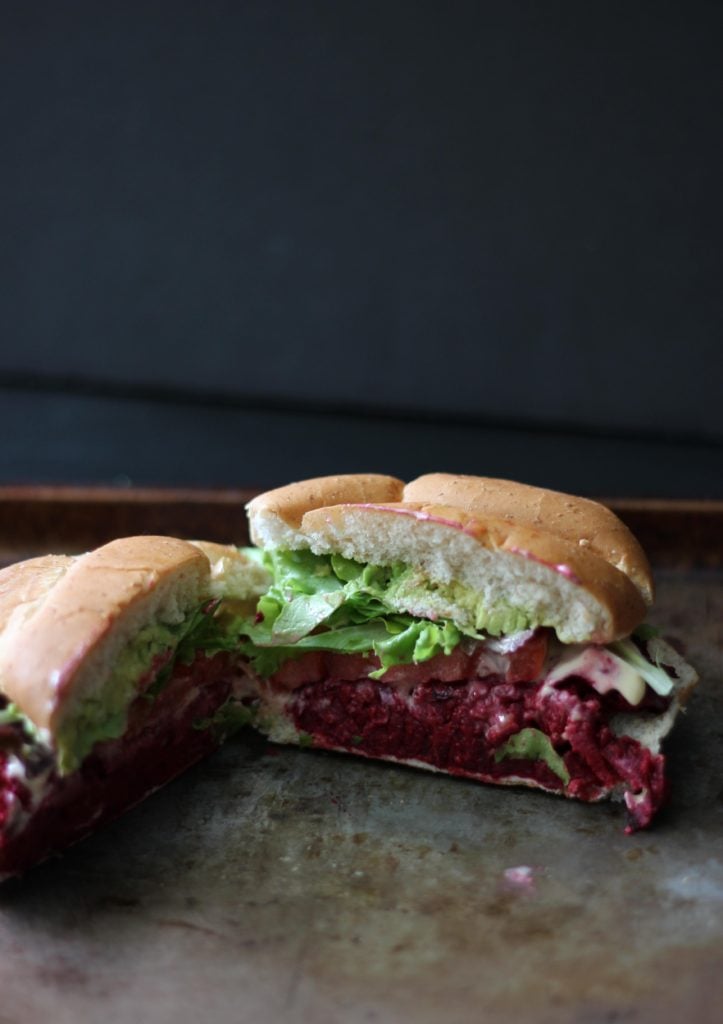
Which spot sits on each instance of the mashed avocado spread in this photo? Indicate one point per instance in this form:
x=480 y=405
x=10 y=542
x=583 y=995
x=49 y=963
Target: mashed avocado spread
x=104 y=715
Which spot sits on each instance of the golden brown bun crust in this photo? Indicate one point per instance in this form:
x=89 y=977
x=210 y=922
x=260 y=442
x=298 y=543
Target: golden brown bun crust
x=23 y=584
x=584 y=524
x=290 y=503
x=99 y=594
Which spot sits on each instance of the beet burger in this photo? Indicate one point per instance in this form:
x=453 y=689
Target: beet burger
x=473 y=626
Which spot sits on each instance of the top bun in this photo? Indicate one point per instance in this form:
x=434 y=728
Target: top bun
x=275 y=516
x=63 y=621
x=234 y=576
x=565 y=562
x=24 y=584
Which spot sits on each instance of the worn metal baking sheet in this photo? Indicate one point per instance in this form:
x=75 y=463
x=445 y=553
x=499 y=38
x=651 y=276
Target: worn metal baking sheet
x=274 y=884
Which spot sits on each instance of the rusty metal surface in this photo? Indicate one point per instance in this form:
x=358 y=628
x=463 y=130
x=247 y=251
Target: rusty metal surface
x=283 y=885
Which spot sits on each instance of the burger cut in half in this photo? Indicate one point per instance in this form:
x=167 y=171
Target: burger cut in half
x=114 y=678
x=472 y=626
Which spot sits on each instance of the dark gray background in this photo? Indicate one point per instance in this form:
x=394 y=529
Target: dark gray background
x=247 y=242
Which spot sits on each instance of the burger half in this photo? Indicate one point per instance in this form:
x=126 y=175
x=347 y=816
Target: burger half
x=114 y=676
x=478 y=627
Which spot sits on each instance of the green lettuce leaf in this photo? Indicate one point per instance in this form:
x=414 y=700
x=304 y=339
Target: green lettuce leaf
x=533 y=745
x=12 y=715
x=303 y=615
x=416 y=641
x=322 y=603
x=653 y=674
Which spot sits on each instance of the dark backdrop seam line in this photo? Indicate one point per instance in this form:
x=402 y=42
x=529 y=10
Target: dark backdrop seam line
x=127 y=392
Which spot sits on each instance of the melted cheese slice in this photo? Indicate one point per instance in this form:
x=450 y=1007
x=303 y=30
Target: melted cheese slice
x=601 y=668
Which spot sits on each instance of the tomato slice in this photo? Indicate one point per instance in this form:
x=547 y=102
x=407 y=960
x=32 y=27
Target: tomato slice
x=526 y=663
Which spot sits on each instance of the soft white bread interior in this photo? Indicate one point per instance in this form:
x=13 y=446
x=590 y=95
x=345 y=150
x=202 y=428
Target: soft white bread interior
x=581 y=522
x=562 y=561
x=234 y=575
x=275 y=516
x=59 y=649
x=575 y=592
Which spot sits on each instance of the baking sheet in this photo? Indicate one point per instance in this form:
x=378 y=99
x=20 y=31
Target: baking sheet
x=273 y=884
